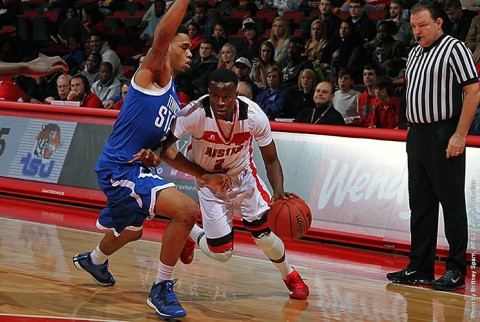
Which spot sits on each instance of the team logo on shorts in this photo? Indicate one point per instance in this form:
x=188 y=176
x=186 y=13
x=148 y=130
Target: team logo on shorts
x=47 y=141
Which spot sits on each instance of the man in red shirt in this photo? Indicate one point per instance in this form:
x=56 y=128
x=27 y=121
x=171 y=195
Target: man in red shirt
x=80 y=91
x=367 y=100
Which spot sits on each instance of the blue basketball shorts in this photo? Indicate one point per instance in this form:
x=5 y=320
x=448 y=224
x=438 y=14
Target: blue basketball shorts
x=131 y=196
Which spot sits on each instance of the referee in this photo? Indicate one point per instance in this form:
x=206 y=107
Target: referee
x=442 y=97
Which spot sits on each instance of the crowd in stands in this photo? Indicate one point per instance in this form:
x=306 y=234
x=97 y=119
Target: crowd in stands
x=323 y=62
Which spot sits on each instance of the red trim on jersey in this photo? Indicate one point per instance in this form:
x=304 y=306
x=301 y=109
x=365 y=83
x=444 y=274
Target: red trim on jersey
x=222 y=248
x=214 y=137
x=263 y=192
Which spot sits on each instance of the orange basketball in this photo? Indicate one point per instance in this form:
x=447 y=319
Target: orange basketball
x=290 y=219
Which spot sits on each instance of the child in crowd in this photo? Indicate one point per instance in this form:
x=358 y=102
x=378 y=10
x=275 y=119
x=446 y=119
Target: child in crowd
x=346 y=99
x=385 y=114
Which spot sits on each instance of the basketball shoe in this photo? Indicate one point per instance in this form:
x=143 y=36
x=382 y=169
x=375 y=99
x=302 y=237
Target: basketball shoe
x=450 y=281
x=99 y=273
x=188 y=251
x=164 y=302
x=299 y=290
x=410 y=276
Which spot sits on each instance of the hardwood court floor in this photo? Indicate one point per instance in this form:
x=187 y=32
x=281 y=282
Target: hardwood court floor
x=39 y=283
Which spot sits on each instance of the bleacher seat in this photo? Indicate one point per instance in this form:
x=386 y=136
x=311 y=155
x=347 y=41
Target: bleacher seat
x=40 y=30
x=294 y=16
x=377 y=15
x=267 y=16
x=239 y=14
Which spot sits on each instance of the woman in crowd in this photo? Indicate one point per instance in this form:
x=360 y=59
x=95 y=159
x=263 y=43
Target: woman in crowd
x=260 y=64
x=227 y=56
x=273 y=99
x=307 y=81
x=279 y=37
x=315 y=46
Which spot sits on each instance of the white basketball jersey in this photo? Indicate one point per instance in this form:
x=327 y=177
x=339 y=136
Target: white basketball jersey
x=222 y=146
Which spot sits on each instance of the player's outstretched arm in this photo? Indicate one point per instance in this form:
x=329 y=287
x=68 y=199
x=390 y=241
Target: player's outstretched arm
x=154 y=68
x=38 y=67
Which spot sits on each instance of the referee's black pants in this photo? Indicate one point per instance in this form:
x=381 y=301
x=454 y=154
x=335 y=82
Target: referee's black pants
x=432 y=180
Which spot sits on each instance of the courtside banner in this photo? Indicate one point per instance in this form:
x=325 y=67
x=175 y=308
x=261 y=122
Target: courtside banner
x=36 y=148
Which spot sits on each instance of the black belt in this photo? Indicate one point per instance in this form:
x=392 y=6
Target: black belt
x=433 y=124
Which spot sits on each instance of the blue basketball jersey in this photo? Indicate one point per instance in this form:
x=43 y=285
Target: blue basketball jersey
x=143 y=122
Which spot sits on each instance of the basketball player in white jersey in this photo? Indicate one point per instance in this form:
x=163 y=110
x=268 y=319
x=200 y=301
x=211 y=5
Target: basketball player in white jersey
x=223 y=127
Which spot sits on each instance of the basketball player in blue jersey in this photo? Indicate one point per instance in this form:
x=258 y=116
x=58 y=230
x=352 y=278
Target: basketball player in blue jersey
x=135 y=193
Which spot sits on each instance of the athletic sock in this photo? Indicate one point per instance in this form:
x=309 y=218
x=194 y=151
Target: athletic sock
x=98 y=257
x=164 y=272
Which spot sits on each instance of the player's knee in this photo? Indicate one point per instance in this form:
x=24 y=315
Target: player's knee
x=265 y=240
x=223 y=256
x=188 y=214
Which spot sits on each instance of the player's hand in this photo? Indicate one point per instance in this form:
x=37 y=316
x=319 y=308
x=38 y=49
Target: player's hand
x=284 y=195
x=44 y=65
x=219 y=181
x=456 y=145
x=147 y=157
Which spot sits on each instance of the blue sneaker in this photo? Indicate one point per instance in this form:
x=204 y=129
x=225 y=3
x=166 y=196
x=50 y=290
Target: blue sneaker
x=100 y=273
x=163 y=300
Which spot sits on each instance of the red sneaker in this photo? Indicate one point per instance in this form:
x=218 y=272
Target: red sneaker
x=299 y=290
x=188 y=251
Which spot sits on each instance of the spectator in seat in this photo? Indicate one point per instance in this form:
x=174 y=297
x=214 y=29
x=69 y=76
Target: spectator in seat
x=227 y=56
x=261 y=63
x=202 y=65
x=242 y=69
x=107 y=86
x=385 y=114
x=473 y=38
x=303 y=96
x=295 y=64
x=75 y=57
x=404 y=30
x=460 y=19
x=363 y=25
x=347 y=52
x=92 y=67
x=80 y=92
x=323 y=112
x=118 y=105
x=219 y=36
x=72 y=26
x=346 y=99
x=159 y=11
x=384 y=50
x=93 y=19
x=99 y=44
x=331 y=20
x=195 y=36
x=315 y=46
x=367 y=99
x=244 y=89
x=251 y=41
x=279 y=37
x=63 y=89
x=273 y=99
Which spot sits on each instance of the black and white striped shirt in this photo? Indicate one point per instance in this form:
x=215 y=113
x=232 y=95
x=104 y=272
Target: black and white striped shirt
x=435 y=79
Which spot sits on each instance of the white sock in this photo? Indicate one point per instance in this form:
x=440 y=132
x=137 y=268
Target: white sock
x=273 y=247
x=164 y=272
x=98 y=257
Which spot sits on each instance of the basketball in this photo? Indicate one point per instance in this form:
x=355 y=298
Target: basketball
x=290 y=219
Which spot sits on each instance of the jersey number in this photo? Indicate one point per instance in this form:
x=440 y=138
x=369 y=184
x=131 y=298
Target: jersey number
x=218 y=165
x=164 y=118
